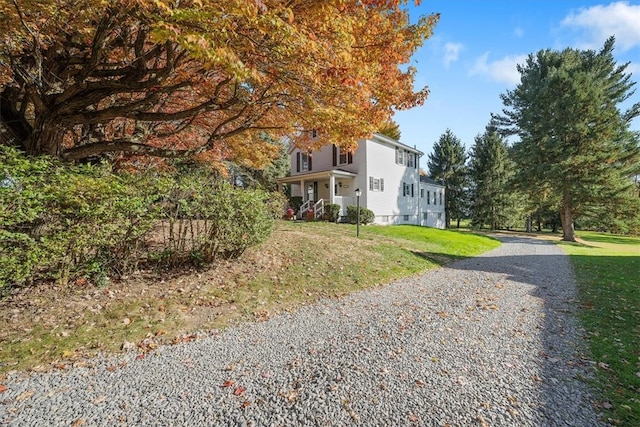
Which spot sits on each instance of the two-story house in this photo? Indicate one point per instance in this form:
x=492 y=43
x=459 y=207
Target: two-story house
x=384 y=170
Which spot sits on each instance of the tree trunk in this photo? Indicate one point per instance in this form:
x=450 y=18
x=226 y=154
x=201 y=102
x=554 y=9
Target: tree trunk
x=566 y=216
x=46 y=138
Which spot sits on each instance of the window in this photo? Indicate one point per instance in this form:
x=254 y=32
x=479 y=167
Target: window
x=399 y=156
x=406 y=217
x=303 y=161
x=376 y=184
x=406 y=189
x=425 y=215
x=440 y=197
x=342 y=156
x=422 y=193
x=439 y=215
x=410 y=157
x=435 y=194
x=412 y=190
x=428 y=197
x=385 y=218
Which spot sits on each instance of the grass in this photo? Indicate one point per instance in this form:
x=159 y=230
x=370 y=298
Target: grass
x=608 y=272
x=53 y=327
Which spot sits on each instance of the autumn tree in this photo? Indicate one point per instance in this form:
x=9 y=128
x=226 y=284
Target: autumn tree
x=447 y=164
x=491 y=170
x=391 y=129
x=575 y=150
x=85 y=78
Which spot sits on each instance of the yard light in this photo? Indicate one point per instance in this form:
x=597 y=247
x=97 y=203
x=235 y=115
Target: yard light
x=358 y=194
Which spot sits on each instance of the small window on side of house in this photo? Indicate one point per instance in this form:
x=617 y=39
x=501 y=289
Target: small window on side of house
x=441 y=197
x=428 y=197
x=425 y=215
x=399 y=156
x=406 y=217
x=385 y=218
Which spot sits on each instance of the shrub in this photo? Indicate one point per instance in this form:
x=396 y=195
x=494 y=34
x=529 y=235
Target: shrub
x=205 y=219
x=366 y=215
x=332 y=211
x=58 y=221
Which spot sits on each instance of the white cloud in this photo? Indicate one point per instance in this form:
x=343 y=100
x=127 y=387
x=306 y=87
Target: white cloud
x=452 y=52
x=597 y=23
x=502 y=70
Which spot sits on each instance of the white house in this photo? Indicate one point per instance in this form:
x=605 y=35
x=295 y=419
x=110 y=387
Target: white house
x=383 y=169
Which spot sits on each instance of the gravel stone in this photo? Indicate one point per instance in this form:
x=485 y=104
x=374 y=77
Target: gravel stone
x=487 y=341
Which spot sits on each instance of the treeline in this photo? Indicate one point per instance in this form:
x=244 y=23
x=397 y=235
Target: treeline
x=574 y=160
x=61 y=222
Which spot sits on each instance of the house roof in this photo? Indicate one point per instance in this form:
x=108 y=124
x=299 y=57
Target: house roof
x=428 y=180
x=377 y=137
x=383 y=138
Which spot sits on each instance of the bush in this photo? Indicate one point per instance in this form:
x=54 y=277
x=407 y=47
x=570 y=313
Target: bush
x=366 y=215
x=332 y=211
x=205 y=219
x=59 y=222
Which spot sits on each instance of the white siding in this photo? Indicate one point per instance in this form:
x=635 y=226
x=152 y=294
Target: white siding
x=390 y=203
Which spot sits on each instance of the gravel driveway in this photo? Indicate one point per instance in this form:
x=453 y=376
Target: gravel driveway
x=488 y=341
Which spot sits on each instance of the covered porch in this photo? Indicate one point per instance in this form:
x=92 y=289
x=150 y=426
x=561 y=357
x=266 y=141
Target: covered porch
x=334 y=186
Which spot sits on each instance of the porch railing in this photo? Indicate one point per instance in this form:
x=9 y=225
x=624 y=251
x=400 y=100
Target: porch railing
x=316 y=207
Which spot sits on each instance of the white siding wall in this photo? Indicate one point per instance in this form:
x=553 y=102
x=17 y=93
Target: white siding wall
x=389 y=206
x=432 y=207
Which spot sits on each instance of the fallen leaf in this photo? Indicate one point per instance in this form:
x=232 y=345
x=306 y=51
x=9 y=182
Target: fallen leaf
x=24 y=396
x=77 y=423
x=413 y=418
x=420 y=382
x=227 y=383
x=607 y=405
x=2 y=388
x=239 y=391
x=140 y=356
x=604 y=366
x=245 y=404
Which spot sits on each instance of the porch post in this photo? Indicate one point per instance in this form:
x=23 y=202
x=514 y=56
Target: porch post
x=303 y=190
x=332 y=186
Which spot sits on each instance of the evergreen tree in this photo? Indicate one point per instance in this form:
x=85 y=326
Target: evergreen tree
x=493 y=201
x=575 y=149
x=447 y=165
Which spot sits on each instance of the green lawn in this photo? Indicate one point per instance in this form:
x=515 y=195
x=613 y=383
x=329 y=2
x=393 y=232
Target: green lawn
x=607 y=268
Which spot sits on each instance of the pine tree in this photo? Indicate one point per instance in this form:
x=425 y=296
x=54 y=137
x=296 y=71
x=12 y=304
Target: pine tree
x=493 y=200
x=575 y=146
x=447 y=165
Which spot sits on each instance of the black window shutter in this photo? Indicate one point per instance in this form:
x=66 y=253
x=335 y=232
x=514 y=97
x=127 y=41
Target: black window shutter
x=404 y=189
x=298 y=161
x=381 y=184
x=335 y=155
x=371 y=183
x=349 y=157
x=411 y=190
x=310 y=158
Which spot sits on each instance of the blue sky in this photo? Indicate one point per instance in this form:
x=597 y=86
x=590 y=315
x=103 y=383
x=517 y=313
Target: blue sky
x=471 y=58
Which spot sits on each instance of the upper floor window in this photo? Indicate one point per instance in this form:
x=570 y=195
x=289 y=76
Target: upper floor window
x=440 y=197
x=342 y=156
x=428 y=197
x=399 y=156
x=303 y=161
x=410 y=159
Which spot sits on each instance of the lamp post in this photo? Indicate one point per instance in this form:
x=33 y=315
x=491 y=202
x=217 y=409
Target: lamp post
x=358 y=194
